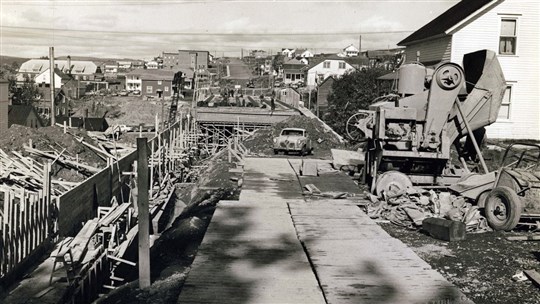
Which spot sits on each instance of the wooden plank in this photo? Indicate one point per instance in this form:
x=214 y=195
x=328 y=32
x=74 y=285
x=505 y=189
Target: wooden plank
x=356 y=261
x=534 y=276
x=143 y=212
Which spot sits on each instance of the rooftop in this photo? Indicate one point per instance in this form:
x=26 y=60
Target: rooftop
x=447 y=20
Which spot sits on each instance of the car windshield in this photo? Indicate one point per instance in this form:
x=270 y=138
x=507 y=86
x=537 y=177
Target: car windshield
x=292 y=132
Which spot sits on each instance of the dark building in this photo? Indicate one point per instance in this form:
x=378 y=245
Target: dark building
x=24 y=115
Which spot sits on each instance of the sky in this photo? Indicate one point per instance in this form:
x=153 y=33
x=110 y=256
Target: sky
x=142 y=29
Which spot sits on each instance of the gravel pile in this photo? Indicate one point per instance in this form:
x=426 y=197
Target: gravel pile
x=322 y=140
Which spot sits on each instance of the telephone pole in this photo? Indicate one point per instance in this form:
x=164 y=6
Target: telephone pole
x=51 y=70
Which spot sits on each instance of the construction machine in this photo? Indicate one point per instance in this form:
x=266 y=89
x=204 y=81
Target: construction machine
x=409 y=134
x=178 y=82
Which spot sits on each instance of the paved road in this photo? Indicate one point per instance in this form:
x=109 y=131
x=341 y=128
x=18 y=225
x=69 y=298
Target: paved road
x=238 y=69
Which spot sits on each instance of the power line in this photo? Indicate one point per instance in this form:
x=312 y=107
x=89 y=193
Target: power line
x=71 y=3
x=205 y=33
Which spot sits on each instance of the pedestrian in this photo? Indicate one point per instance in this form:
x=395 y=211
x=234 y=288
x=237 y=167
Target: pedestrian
x=272 y=104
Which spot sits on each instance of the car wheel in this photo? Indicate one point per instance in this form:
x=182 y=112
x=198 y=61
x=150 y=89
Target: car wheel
x=503 y=209
x=304 y=151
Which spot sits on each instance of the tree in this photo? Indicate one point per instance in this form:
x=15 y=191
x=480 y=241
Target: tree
x=27 y=93
x=352 y=92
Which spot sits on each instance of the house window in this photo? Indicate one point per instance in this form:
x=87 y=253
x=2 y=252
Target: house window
x=342 y=65
x=166 y=89
x=504 y=111
x=159 y=82
x=508 y=39
x=326 y=64
x=287 y=76
x=149 y=89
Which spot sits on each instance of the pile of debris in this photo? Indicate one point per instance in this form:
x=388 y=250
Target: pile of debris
x=322 y=139
x=408 y=208
x=74 y=155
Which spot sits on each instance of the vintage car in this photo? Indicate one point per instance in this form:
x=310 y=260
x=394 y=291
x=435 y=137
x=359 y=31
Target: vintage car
x=292 y=140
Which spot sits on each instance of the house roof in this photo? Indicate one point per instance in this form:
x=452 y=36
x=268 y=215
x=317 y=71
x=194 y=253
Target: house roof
x=37 y=66
x=351 y=47
x=153 y=74
x=440 y=25
x=17 y=114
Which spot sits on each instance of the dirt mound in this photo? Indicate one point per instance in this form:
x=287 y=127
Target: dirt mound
x=322 y=140
x=52 y=139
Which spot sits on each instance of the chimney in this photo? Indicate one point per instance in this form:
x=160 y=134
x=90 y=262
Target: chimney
x=68 y=64
x=4 y=105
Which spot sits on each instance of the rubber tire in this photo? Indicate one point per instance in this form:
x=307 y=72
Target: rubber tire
x=276 y=152
x=512 y=203
x=304 y=151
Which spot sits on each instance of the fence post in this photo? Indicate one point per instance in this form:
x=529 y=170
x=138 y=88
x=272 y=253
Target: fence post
x=142 y=203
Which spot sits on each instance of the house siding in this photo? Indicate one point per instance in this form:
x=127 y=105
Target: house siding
x=521 y=70
x=165 y=87
x=333 y=70
x=431 y=51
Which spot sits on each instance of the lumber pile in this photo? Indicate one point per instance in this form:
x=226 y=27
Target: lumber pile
x=64 y=160
x=22 y=172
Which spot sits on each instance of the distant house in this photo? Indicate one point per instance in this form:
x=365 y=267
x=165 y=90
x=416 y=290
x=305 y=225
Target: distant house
x=24 y=115
x=110 y=70
x=303 y=53
x=289 y=96
x=61 y=102
x=155 y=83
x=323 y=91
x=137 y=64
x=152 y=65
x=78 y=69
x=288 y=52
x=124 y=65
x=350 y=51
x=70 y=87
x=293 y=71
x=333 y=66
x=508 y=27
x=185 y=59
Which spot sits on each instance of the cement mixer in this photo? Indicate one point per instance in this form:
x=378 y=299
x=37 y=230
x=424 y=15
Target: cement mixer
x=409 y=134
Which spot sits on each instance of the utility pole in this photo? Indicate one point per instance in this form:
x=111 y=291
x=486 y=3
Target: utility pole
x=194 y=101
x=51 y=70
x=360 y=44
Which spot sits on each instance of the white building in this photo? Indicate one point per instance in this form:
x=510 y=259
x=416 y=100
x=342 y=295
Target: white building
x=335 y=67
x=511 y=28
x=350 y=51
x=133 y=81
x=80 y=70
x=44 y=78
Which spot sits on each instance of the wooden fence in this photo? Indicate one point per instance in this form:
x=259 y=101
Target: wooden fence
x=25 y=224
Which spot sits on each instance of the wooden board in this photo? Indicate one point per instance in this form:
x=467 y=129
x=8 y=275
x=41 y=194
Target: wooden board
x=250 y=254
x=356 y=261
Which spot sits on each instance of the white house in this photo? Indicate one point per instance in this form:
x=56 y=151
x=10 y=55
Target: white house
x=350 y=51
x=152 y=65
x=288 y=52
x=333 y=66
x=133 y=81
x=304 y=53
x=509 y=27
x=44 y=78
